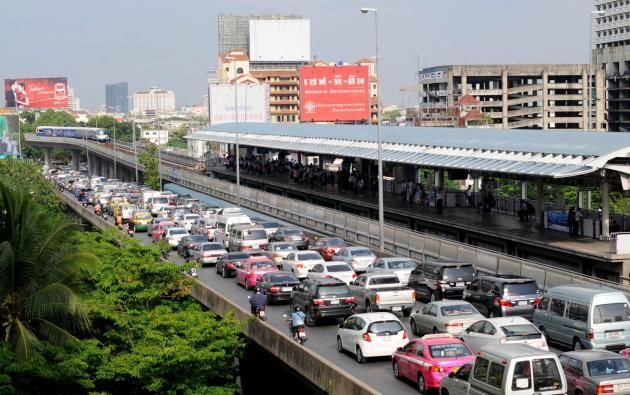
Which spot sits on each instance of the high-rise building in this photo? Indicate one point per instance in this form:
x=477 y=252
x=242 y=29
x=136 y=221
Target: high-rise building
x=155 y=100
x=116 y=97
x=611 y=34
x=74 y=103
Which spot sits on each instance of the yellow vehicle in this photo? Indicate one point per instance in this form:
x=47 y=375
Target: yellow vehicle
x=141 y=220
x=113 y=204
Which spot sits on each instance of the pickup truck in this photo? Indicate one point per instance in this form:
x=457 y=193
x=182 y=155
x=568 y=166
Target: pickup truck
x=382 y=291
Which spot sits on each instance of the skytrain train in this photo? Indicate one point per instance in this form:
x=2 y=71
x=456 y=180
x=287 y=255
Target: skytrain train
x=96 y=134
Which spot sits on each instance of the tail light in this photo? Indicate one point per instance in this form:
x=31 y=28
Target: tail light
x=413 y=296
x=354 y=275
x=440 y=283
x=230 y=265
x=377 y=298
x=305 y=238
x=502 y=302
x=287 y=238
x=277 y=255
x=454 y=325
x=328 y=276
x=349 y=299
x=264 y=246
x=404 y=334
x=436 y=369
x=366 y=337
x=274 y=289
x=537 y=301
x=300 y=266
x=250 y=273
x=328 y=251
x=354 y=261
x=605 y=389
x=319 y=302
x=590 y=335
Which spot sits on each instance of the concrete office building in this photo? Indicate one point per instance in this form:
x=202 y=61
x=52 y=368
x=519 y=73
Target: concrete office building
x=74 y=102
x=155 y=100
x=611 y=36
x=116 y=97
x=536 y=96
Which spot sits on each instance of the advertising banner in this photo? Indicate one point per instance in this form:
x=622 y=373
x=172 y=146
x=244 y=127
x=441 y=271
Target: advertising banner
x=252 y=103
x=9 y=136
x=36 y=92
x=334 y=93
x=557 y=220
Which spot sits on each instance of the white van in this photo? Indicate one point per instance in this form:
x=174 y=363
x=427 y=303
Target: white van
x=156 y=203
x=515 y=369
x=224 y=225
x=248 y=238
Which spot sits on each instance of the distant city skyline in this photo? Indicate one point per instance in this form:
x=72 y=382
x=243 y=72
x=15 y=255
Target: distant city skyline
x=135 y=46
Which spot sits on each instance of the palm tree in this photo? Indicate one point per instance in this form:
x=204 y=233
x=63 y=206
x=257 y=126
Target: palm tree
x=38 y=274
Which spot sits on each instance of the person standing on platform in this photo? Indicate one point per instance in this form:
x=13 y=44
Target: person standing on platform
x=469 y=195
x=439 y=203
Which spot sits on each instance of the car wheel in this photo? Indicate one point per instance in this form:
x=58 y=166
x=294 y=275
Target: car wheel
x=309 y=319
x=414 y=328
x=339 y=345
x=444 y=391
x=396 y=370
x=421 y=385
x=544 y=333
x=369 y=307
x=223 y=273
x=435 y=330
x=406 y=312
x=359 y=355
x=577 y=345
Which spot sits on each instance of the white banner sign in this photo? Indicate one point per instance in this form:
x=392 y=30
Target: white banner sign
x=252 y=103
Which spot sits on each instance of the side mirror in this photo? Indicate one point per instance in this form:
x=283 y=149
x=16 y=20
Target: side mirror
x=340 y=326
x=399 y=349
x=451 y=374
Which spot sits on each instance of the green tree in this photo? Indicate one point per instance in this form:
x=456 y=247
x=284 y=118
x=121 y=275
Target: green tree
x=148 y=158
x=177 y=139
x=390 y=116
x=28 y=177
x=38 y=271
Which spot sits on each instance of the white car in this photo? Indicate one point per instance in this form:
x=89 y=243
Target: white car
x=188 y=220
x=369 y=335
x=503 y=330
x=174 y=235
x=401 y=266
x=300 y=262
x=357 y=257
x=208 y=253
x=339 y=270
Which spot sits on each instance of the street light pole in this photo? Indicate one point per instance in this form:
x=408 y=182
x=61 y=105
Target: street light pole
x=135 y=147
x=115 y=173
x=381 y=214
x=594 y=14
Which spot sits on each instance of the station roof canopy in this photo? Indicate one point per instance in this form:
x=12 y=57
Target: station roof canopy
x=541 y=153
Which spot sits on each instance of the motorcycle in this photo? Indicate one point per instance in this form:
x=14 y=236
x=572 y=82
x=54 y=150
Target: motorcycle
x=259 y=311
x=105 y=216
x=130 y=230
x=193 y=272
x=299 y=333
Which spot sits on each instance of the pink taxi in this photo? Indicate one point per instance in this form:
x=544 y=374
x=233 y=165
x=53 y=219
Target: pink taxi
x=250 y=271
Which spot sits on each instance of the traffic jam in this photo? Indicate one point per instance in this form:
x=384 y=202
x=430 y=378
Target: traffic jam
x=446 y=328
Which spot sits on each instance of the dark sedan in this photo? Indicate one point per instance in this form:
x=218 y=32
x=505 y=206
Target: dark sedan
x=295 y=236
x=188 y=243
x=278 y=286
x=225 y=264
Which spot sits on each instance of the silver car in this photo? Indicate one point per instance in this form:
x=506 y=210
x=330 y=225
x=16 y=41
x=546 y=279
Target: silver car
x=278 y=251
x=359 y=258
x=208 y=253
x=503 y=330
x=446 y=316
x=401 y=266
x=596 y=372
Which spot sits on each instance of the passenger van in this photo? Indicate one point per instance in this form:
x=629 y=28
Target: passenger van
x=515 y=369
x=248 y=238
x=156 y=203
x=224 y=225
x=583 y=316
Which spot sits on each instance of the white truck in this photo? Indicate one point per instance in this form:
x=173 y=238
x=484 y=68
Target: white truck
x=382 y=291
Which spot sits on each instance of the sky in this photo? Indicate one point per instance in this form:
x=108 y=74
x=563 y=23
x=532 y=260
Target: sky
x=172 y=44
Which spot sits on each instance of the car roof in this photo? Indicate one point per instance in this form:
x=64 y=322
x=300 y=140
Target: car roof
x=441 y=303
x=514 y=350
x=440 y=338
x=591 y=355
x=301 y=252
x=379 y=274
x=582 y=292
x=259 y=258
x=447 y=262
x=397 y=258
x=177 y=228
x=378 y=316
x=506 y=278
x=513 y=320
x=326 y=281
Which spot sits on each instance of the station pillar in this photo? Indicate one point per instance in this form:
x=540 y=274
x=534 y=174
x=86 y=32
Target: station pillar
x=605 y=188
x=439 y=178
x=47 y=156
x=524 y=190
x=76 y=159
x=540 y=203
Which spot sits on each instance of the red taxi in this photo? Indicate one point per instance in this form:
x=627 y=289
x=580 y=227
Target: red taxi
x=328 y=246
x=428 y=359
x=251 y=271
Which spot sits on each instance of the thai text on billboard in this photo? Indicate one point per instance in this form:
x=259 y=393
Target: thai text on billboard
x=252 y=103
x=9 y=136
x=334 y=93
x=36 y=92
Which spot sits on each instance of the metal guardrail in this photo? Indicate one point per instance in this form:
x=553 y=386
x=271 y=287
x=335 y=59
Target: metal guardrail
x=361 y=230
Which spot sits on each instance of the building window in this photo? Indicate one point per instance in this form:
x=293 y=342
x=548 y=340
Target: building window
x=227 y=68
x=239 y=70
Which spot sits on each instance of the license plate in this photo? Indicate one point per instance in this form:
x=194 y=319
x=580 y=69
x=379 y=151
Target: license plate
x=286 y=289
x=387 y=338
x=613 y=335
x=396 y=308
x=302 y=335
x=522 y=302
x=459 y=284
x=334 y=301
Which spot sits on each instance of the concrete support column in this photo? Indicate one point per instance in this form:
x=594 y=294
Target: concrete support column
x=450 y=88
x=585 y=93
x=545 y=98
x=540 y=203
x=76 y=159
x=605 y=188
x=580 y=202
x=504 y=86
x=475 y=190
x=110 y=169
x=600 y=102
x=524 y=190
x=464 y=82
x=98 y=165
x=47 y=156
x=439 y=178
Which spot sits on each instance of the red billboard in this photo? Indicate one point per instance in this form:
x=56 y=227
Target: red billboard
x=36 y=92
x=334 y=93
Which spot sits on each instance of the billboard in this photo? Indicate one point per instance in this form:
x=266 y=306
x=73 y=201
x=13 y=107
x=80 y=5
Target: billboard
x=252 y=101
x=9 y=136
x=36 y=92
x=334 y=93
x=279 y=40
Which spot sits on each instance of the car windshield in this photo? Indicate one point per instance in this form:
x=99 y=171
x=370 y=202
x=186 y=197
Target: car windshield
x=612 y=312
x=270 y=225
x=546 y=375
x=283 y=247
x=521 y=331
x=608 y=366
x=178 y=232
x=361 y=252
x=333 y=290
x=143 y=215
x=333 y=242
x=262 y=265
x=525 y=288
x=452 y=350
x=458 y=272
x=402 y=264
x=385 y=328
x=283 y=278
x=159 y=200
x=212 y=246
x=197 y=239
x=309 y=256
x=237 y=255
x=255 y=234
x=458 y=309
x=338 y=268
x=293 y=232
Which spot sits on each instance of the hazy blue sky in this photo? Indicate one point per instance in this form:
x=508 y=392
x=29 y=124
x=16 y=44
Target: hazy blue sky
x=171 y=44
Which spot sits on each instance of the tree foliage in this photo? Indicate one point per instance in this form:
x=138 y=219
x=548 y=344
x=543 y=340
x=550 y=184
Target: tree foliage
x=177 y=139
x=18 y=174
x=149 y=159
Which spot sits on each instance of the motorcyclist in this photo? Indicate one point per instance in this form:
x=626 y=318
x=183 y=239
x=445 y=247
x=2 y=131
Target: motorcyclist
x=297 y=319
x=258 y=300
x=97 y=209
